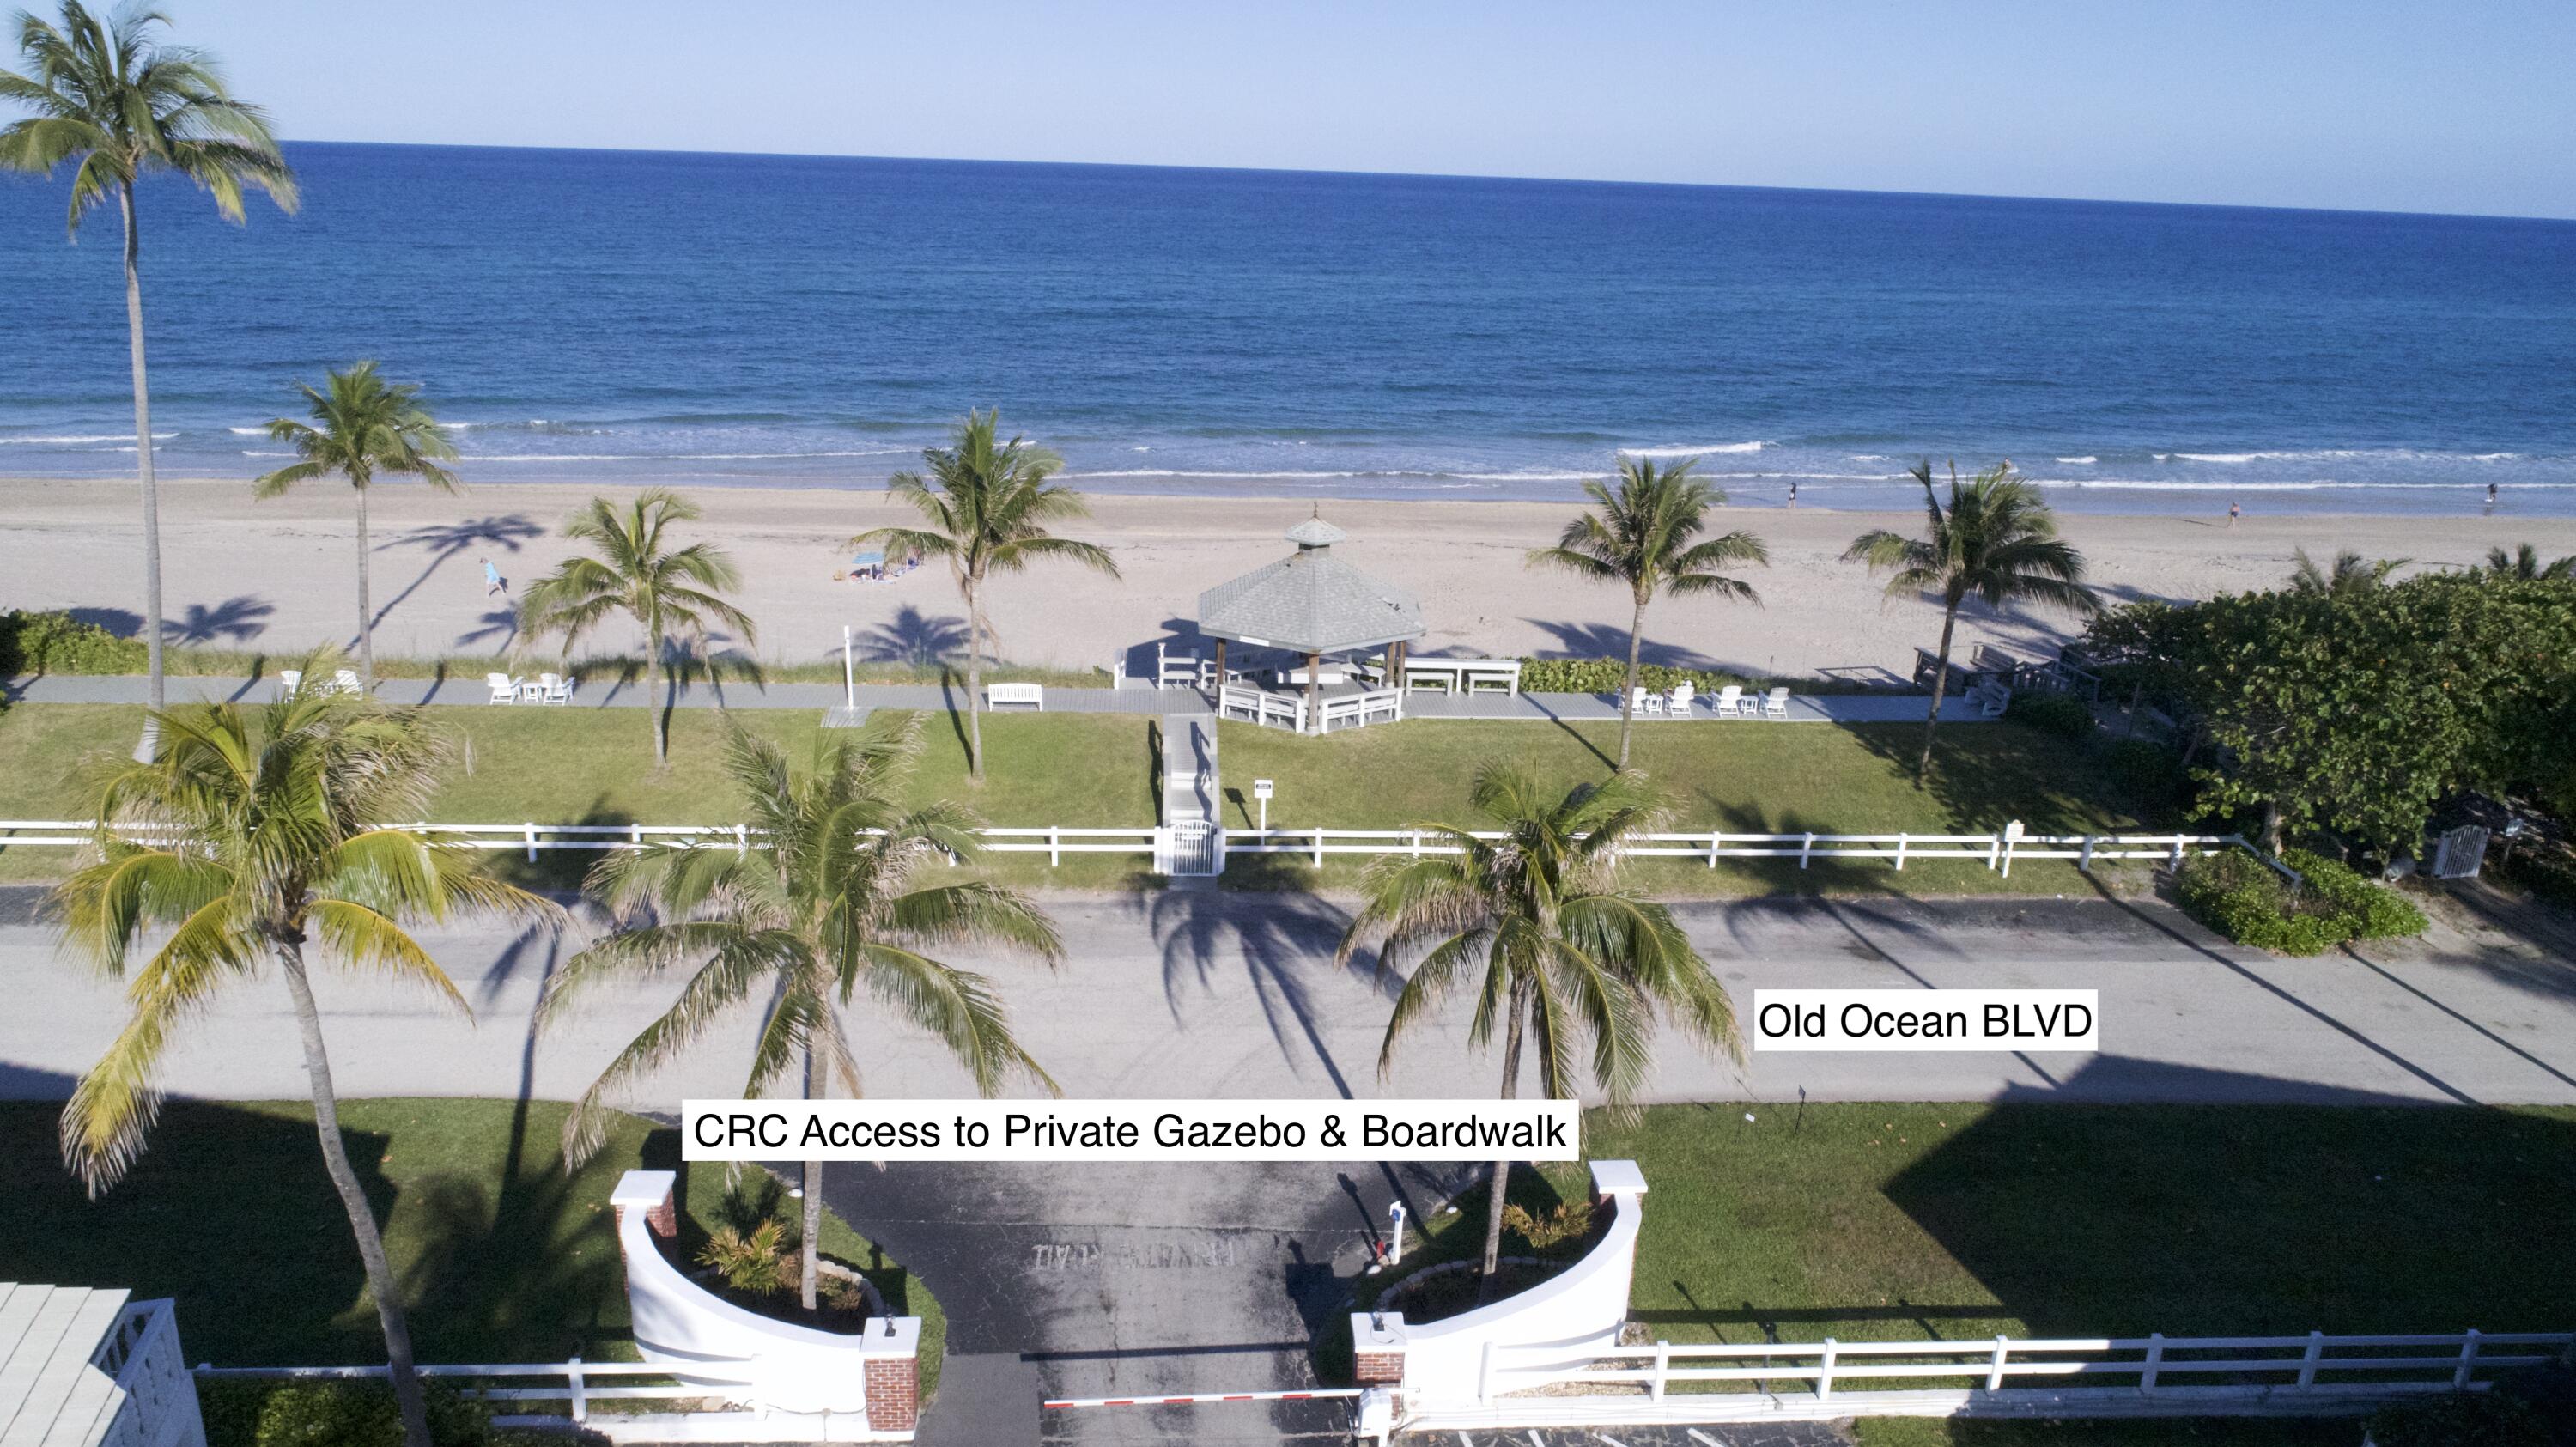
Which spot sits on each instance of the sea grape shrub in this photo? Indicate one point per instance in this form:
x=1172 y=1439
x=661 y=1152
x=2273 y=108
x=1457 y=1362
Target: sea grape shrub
x=2062 y=714
x=2242 y=898
x=2148 y=775
x=1609 y=675
x=57 y=642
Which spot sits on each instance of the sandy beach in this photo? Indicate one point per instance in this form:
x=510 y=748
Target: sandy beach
x=279 y=575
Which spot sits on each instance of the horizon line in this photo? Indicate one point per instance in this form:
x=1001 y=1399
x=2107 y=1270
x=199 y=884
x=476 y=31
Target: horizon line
x=1439 y=176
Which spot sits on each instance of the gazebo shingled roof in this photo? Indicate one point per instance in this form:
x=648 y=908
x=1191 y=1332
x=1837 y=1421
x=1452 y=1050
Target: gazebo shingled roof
x=1310 y=601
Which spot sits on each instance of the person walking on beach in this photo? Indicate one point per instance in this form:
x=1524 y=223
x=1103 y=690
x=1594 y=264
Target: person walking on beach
x=2490 y=494
x=493 y=582
x=2234 y=511
x=1793 y=492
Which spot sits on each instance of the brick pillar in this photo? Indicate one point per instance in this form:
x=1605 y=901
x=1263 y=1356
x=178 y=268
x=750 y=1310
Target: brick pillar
x=892 y=1372
x=1378 y=1342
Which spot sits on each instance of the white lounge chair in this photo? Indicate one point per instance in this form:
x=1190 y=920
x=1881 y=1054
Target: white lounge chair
x=346 y=681
x=1645 y=700
x=505 y=689
x=1730 y=700
x=1681 y=697
x=551 y=689
x=1776 y=705
x=289 y=680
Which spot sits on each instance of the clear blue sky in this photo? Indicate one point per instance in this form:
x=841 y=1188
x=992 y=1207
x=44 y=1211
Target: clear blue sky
x=2413 y=105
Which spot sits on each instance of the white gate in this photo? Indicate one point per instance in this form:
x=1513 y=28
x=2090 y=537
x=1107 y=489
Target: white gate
x=1189 y=848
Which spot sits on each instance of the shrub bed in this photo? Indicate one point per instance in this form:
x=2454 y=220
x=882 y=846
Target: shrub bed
x=2062 y=714
x=60 y=643
x=252 y=1412
x=1609 y=675
x=2237 y=895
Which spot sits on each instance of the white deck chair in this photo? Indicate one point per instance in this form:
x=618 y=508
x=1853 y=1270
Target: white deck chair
x=1645 y=700
x=1681 y=697
x=1730 y=700
x=1777 y=704
x=559 y=690
x=289 y=680
x=505 y=689
x=346 y=681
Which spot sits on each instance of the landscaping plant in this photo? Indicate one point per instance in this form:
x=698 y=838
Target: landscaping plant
x=1642 y=537
x=252 y=835
x=117 y=105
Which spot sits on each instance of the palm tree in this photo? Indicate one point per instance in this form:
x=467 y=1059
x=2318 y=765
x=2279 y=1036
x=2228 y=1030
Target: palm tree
x=1997 y=540
x=1557 y=952
x=366 y=428
x=110 y=97
x=988 y=505
x=1643 y=537
x=640 y=574
x=2352 y=573
x=251 y=834
x=2524 y=563
x=827 y=900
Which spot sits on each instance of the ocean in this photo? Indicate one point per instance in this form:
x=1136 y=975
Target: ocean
x=816 y=321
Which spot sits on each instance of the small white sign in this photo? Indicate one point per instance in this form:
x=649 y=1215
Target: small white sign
x=1927 y=1020
x=1261 y=788
x=1131 y=1130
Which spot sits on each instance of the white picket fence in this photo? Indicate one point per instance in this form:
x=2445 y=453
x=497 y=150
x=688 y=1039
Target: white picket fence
x=2153 y=1375
x=1996 y=851
x=576 y=1384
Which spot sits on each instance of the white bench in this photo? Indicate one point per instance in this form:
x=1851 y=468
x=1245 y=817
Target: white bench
x=1033 y=695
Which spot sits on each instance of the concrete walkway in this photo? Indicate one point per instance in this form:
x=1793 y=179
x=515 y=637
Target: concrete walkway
x=470 y=691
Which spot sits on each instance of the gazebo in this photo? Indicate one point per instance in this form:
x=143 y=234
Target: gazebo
x=1311 y=603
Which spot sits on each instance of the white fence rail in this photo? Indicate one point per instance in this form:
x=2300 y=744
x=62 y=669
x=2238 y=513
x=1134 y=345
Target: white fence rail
x=1996 y=851
x=577 y=1385
x=2313 y=1375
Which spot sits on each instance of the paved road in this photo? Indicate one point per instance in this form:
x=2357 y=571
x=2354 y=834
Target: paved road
x=1100 y=1281
x=1209 y=994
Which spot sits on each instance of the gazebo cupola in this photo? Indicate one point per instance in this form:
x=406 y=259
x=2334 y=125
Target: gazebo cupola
x=1312 y=603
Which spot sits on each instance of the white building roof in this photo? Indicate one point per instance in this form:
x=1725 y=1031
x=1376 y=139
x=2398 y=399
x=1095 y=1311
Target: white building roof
x=51 y=1393
x=1310 y=601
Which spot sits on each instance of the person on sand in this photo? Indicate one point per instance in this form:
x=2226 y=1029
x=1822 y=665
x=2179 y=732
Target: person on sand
x=493 y=582
x=2490 y=494
x=1793 y=492
x=2234 y=511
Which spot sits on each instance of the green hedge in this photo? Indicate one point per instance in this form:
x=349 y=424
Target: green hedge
x=2242 y=898
x=2061 y=714
x=60 y=643
x=257 y=1412
x=2149 y=776
x=1609 y=675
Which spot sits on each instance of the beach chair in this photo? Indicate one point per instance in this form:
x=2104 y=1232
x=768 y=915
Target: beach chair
x=552 y=688
x=1730 y=700
x=346 y=681
x=1776 y=704
x=289 y=680
x=1645 y=700
x=1681 y=697
x=505 y=689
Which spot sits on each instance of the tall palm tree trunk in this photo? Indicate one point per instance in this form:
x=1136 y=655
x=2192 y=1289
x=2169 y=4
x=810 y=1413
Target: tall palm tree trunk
x=362 y=1218
x=366 y=614
x=974 y=680
x=810 y=1239
x=1940 y=686
x=1628 y=691
x=1503 y=1169
x=151 y=487
x=658 y=706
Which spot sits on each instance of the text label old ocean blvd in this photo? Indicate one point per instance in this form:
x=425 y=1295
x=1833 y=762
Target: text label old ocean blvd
x=1927 y=1020
x=1131 y=1130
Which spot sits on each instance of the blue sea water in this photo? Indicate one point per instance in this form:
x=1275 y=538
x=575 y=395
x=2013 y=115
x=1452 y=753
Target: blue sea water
x=723 y=318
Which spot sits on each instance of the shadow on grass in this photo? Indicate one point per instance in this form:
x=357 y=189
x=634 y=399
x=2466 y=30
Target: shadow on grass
x=1985 y=775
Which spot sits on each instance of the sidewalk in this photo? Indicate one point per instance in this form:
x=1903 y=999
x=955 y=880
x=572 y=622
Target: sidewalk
x=469 y=692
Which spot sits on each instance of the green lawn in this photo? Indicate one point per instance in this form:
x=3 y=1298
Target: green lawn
x=1897 y=1222
x=1747 y=777
x=594 y=766
x=502 y=1256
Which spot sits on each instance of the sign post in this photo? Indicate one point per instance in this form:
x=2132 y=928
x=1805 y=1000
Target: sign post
x=1261 y=793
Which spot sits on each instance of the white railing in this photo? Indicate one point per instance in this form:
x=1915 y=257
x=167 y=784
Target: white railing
x=1053 y=841
x=1358 y=710
x=571 y=1382
x=1996 y=851
x=1272 y=710
x=577 y=1385
x=2187 y=1374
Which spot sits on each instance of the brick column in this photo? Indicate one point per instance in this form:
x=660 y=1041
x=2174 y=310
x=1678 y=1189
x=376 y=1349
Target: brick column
x=1378 y=1342
x=892 y=1372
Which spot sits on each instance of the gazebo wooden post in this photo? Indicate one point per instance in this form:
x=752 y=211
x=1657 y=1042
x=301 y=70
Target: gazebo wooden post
x=1395 y=665
x=1315 y=692
x=1220 y=663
